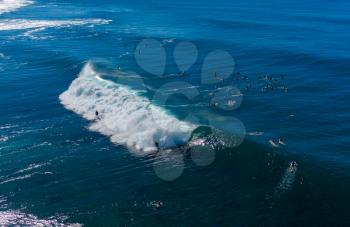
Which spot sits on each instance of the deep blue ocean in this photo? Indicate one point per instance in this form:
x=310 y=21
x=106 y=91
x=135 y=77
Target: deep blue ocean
x=163 y=132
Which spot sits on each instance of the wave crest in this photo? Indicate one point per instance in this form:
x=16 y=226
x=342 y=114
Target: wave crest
x=126 y=117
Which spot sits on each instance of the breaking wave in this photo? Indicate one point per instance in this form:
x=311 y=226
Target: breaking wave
x=125 y=116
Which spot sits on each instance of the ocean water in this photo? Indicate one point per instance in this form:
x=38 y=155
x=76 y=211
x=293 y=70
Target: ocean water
x=169 y=129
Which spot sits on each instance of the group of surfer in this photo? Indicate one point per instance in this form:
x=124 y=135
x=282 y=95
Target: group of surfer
x=270 y=83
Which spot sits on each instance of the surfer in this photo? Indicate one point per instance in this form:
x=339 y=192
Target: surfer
x=293 y=167
x=157 y=145
x=281 y=141
x=158 y=204
x=97 y=115
x=265 y=88
x=273 y=143
x=256 y=133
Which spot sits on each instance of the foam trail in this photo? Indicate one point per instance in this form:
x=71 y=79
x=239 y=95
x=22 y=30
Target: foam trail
x=285 y=185
x=288 y=178
x=126 y=117
x=7 y=6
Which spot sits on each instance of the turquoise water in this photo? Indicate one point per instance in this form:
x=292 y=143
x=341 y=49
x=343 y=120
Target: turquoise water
x=59 y=167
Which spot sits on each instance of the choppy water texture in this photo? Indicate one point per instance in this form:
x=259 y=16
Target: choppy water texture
x=61 y=61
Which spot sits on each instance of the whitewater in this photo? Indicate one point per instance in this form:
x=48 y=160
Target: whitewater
x=22 y=24
x=125 y=116
x=7 y=6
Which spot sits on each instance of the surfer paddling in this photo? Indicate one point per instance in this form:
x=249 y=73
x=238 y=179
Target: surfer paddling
x=158 y=205
x=293 y=167
x=273 y=143
x=282 y=142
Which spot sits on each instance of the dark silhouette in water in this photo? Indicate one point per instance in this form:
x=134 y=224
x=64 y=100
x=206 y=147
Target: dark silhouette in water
x=281 y=141
x=97 y=116
x=158 y=204
x=157 y=145
x=293 y=164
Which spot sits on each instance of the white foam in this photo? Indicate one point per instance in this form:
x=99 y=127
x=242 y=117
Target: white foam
x=8 y=126
x=22 y=24
x=12 y=179
x=18 y=218
x=4 y=138
x=30 y=34
x=22 y=177
x=31 y=167
x=126 y=117
x=288 y=178
x=7 y=6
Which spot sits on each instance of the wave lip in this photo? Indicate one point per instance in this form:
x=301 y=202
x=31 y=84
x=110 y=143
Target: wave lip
x=7 y=6
x=22 y=24
x=126 y=117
